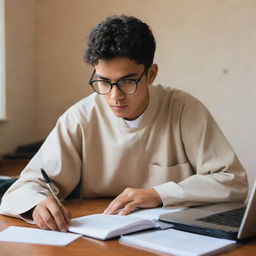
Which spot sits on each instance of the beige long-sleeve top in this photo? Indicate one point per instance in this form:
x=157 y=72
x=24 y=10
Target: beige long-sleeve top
x=177 y=149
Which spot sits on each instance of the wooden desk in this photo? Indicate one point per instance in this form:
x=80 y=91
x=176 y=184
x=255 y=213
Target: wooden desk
x=12 y=167
x=88 y=246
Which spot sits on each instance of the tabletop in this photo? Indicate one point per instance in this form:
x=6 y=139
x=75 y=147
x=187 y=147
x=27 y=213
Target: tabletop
x=89 y=246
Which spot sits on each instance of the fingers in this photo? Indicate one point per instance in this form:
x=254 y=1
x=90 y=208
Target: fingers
x=132 y=198
x=118 y=203
x=129 y=208
x=43 y=218
x=66 y=215
x=40 y=222
x=48 y=215
x=58 y=217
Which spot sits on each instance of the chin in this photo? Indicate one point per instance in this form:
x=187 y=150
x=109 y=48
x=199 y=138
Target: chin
x=120 y=115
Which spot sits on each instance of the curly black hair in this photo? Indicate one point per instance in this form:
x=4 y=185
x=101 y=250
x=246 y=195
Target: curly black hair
x=121 y=36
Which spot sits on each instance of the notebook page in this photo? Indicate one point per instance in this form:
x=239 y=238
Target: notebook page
x=102 y=226
x=154 y=213
x=177 y=242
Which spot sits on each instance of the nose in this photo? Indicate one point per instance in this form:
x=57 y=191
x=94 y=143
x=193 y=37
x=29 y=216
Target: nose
x=116 y=95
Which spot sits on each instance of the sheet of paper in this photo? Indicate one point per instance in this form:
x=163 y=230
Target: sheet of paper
x=177 y=242
x=3 y=177
x=36 y=236
x=154 y=213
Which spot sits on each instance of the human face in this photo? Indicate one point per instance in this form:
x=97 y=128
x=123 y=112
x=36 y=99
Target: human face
x=127 y=106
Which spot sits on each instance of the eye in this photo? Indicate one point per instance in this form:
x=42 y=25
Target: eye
x=102 y=83
x=126 y=82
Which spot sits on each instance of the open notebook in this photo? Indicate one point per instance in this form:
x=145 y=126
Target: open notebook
x=102 y=226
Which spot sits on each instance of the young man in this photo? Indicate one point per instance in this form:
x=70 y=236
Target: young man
x=147 y=145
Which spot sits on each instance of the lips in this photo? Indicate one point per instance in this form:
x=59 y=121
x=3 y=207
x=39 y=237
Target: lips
x=119 y=107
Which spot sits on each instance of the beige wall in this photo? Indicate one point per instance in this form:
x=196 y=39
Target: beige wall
x=21 y=72
x=206 y=47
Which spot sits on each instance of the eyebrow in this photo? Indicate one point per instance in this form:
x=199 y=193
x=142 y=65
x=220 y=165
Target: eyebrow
x=120 y=78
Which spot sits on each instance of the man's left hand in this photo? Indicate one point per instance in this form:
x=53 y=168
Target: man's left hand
x=132 y=198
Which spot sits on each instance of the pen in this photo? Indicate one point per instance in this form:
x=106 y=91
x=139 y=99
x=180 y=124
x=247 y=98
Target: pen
x=49 y=185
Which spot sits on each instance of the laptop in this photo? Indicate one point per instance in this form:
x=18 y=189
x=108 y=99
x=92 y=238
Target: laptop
x=234 y=221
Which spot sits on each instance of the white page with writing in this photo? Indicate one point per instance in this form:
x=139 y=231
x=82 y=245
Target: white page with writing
x=177 y=242
x=36 y=236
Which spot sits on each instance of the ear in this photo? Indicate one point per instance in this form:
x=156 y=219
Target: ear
x=152 y=72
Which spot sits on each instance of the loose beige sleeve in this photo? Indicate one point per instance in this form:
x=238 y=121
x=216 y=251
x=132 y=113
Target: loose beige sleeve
x=219 y=176
x=60 y=157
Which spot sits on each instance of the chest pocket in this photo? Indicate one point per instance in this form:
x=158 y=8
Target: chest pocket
x=159 y=174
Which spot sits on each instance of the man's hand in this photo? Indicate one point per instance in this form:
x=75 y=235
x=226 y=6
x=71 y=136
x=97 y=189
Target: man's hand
x=48 y=215
x=132 y=198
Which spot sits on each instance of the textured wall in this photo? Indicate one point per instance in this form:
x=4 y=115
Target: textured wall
x=205 y=47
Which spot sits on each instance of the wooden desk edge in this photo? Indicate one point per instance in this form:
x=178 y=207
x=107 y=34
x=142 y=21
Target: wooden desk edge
x=89 y=246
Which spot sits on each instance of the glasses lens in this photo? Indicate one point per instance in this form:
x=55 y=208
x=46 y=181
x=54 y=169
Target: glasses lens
x=127 y=86
x=102 y=87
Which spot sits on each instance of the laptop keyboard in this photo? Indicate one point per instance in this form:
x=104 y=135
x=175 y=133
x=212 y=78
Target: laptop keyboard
x=232 y=218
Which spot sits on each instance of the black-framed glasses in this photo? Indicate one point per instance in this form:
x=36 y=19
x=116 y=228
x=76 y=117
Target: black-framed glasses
x=126 y=85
